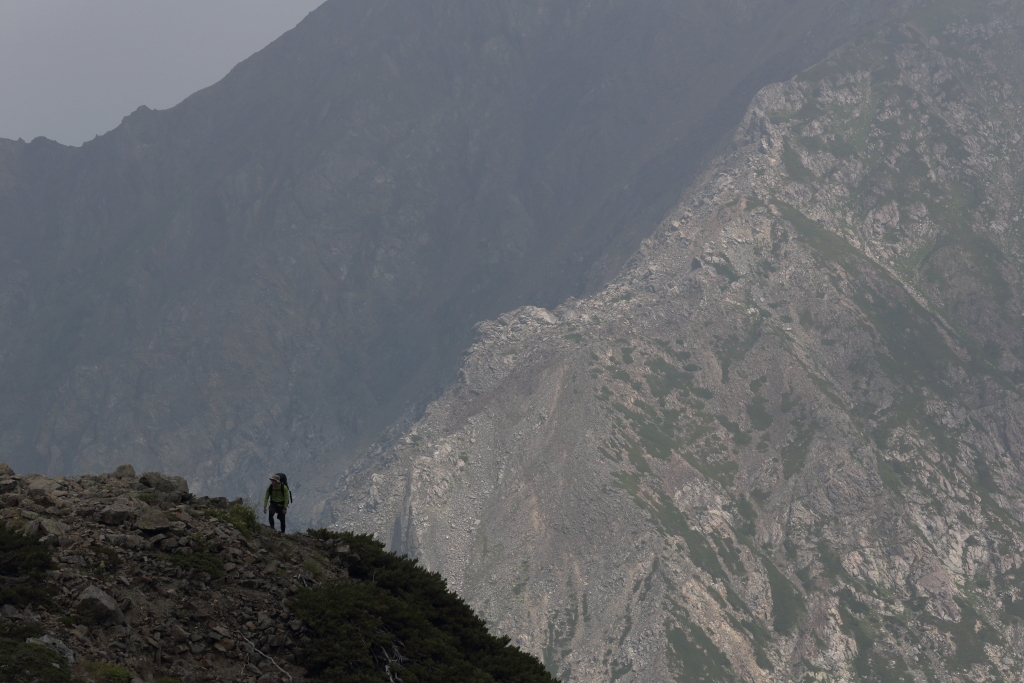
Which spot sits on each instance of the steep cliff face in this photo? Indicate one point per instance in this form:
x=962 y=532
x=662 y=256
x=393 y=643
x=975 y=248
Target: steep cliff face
x=273 y=271
x=785 y=444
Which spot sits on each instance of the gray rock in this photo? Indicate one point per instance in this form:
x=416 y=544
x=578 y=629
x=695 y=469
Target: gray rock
x=114 y=539
x=179 y=634
x=164 y=483
x=57 y=646
x=152 y=519
x=133 y=542
x=125 y=472
x=5 y=470
x=114 y=514
x=168 y=543
x=52 y=526
x=93 y=601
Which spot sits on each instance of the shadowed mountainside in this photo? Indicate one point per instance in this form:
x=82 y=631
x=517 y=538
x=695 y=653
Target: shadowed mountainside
x=291 y=260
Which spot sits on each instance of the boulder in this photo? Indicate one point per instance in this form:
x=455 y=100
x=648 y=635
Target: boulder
x=179 y=634
x=41 y=497
x=52 y=526
x=133 y=541
x=114 y=514
x=152 y=520
x=125 y=472
x=163 y=483
x=94 y=602
x=169 y=544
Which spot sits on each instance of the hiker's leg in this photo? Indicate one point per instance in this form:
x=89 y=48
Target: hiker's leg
x=280 y=516
x=270 y=517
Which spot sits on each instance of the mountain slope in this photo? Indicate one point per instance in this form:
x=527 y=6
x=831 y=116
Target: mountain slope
x=785 y=444
x=277 y=269
x=118 y=577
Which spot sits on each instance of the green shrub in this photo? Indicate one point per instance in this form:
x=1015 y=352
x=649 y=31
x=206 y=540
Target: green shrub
x=324 y=534
x=16 y=632
x=313 y=568
x=109 y=560
x=201 y=544
x=400 y=616
x=101 y=672
x=23 y=563
x=201 y=562
x=242 y=516
x=31 y=663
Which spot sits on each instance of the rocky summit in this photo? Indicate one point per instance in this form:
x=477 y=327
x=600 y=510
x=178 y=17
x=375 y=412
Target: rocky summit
x=116 y=578
x=149 y=582
x=785 y=444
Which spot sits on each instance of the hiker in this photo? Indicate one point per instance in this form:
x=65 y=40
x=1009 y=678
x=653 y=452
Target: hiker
x=278 y=495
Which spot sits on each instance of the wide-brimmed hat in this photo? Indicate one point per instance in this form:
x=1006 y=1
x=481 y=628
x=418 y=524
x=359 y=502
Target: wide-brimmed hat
x=274 y=477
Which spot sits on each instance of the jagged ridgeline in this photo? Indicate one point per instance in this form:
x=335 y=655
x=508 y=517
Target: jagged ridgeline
x=785 y=445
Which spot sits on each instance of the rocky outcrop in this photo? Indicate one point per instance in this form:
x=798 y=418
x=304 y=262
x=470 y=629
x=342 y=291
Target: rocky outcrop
x=154 y=581
x=785 y=444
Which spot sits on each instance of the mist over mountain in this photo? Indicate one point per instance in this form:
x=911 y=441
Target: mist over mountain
x=785 y=442
x=684 y=339
x=289 y=263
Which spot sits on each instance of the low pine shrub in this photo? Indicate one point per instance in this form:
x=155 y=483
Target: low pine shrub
x=14 y=631
x=22 y=662
x=23 y=563
x=101 y=672
x=398 y=620
x=324 y=534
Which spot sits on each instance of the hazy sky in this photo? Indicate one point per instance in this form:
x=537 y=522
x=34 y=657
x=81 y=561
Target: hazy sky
x=71 y=69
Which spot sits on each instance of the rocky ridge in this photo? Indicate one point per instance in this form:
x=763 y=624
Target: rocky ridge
x=155 y=583
x=785 y=444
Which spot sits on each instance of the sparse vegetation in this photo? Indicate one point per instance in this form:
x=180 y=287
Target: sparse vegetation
x=242 y=516
x=200 y=562
x=102 y=672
